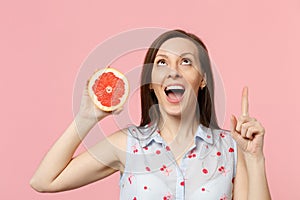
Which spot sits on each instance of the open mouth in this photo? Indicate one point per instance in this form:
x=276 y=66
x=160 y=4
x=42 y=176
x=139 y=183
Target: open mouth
x=174 y=92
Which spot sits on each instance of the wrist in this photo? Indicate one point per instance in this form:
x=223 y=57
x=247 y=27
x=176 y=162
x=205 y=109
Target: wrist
x=83 y=125
x=79 y=118
x=254 y=161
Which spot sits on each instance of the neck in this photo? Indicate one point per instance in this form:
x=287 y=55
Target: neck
x=177 y=129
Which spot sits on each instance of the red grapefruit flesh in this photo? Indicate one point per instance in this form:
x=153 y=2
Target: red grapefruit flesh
x=108 y=89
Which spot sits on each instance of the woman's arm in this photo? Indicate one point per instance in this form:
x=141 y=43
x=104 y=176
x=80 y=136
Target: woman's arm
x=60 y=171
x=251 y=181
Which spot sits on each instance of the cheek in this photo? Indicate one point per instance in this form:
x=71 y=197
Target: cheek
x=157 y=76
x=194 y=79
x=195 y=85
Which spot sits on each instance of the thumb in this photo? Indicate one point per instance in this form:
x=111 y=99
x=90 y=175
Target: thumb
x=233 y=123
x=118 y=110
x=235 y=135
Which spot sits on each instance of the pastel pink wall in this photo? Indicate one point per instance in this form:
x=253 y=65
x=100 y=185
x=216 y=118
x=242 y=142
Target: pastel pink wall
x=43 y=44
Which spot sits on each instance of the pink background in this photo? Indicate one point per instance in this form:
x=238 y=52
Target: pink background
x=43 y=43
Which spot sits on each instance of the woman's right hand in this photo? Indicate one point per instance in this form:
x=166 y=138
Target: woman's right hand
x=88 y=110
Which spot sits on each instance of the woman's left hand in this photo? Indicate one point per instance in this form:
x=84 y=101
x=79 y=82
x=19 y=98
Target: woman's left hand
x=247 y=131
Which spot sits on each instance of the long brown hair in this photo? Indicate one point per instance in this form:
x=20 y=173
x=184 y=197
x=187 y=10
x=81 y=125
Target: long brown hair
x=205 y=109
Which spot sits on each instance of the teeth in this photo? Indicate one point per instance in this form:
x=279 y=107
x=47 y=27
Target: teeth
x=174 y=87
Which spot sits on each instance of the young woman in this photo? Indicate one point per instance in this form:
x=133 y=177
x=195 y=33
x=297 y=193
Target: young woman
x=178 y=151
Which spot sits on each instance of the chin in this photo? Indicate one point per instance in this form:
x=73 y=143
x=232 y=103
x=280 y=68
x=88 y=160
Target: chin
x=174 y=112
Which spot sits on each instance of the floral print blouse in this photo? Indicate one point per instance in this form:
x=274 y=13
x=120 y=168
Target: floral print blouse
x=206 y=171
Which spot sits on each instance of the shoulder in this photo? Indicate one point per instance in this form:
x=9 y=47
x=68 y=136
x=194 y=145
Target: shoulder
x=223 y=135
x=116 y=147
x=224 y=140
x=119 y=139
x=122 y=139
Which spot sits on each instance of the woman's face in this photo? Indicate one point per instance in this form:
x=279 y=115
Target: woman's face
x=177 y=76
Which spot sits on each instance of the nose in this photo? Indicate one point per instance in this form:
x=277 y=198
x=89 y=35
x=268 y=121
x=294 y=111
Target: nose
x=173 y=72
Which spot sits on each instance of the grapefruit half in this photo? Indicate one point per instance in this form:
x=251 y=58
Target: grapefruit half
x=108 y=89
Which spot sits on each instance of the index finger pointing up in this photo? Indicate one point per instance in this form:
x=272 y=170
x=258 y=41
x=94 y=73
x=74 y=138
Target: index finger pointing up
x=245 y=104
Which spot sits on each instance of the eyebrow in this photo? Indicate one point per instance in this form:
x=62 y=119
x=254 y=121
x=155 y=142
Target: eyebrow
x=183 y=54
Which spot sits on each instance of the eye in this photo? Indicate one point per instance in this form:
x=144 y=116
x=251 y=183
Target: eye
x=161 y=62
x=186 y=61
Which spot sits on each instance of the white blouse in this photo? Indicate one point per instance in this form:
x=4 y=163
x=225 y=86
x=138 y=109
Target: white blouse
x=206 y=171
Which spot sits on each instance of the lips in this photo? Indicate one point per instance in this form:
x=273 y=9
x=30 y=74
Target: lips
x=174 y=93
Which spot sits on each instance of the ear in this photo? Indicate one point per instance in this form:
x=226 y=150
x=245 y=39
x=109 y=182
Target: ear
x=150 y=86
x=203 y=82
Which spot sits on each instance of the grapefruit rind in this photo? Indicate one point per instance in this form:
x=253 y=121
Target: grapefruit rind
x=94 y=98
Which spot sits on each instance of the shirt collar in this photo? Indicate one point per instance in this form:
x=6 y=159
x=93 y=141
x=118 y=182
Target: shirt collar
x=154 y=137
x=205 y=134
x=146 y=134
x=202 y=132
